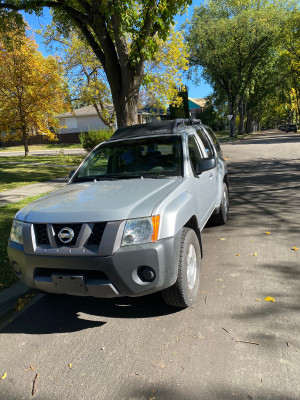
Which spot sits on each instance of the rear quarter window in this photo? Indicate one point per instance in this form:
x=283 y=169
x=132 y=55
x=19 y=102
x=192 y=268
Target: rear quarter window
x=214 y=140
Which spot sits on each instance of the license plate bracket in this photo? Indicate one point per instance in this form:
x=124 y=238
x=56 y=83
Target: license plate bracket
x=69 y=283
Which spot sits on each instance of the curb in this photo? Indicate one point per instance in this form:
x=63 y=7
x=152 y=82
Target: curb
x=9 y=297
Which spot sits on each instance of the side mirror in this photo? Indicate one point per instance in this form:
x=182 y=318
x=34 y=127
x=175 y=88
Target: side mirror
x=205 y=164
x=71 y=173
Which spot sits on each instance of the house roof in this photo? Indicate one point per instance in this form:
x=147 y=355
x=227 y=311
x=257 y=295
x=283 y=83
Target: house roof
x=197 y=103
x=90 y=110
x=85 y=111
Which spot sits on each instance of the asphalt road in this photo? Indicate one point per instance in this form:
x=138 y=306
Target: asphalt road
x=232 y=344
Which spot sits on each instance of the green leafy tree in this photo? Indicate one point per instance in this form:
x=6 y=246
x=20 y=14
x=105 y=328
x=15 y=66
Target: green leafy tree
x=122 y=35
x=231 y=39
x=88 y=83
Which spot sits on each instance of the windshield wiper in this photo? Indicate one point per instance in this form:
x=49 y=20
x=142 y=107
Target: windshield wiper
x=117 y=176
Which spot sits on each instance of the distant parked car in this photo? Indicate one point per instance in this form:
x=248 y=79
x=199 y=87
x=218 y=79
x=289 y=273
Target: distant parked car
x=291 y=128
x=282 y=127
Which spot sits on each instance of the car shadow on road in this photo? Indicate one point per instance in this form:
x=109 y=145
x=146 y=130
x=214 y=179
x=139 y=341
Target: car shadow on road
x=62 y=313
x=200 y=392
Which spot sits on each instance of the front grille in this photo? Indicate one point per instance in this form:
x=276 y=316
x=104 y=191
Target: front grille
x=41 y=234
x=42 y=237
x=97 y=232
x=58 y=227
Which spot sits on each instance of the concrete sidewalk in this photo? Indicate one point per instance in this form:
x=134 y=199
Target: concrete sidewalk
x=20 y=193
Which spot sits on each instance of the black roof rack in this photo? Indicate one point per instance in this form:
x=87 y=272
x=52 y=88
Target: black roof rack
x=153 y=128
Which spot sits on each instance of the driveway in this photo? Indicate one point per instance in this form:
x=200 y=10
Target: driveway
x=233 y=344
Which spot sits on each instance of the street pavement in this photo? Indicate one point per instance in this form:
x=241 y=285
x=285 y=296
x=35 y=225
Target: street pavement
x=232 y=344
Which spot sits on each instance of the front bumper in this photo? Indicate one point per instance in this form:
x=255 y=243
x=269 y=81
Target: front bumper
x=99 y=276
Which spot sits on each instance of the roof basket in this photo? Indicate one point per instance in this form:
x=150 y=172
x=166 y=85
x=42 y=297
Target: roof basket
x=192 y=121
x=152 y=128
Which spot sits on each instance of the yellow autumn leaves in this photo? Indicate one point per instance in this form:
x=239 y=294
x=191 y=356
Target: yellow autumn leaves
x=31 y=89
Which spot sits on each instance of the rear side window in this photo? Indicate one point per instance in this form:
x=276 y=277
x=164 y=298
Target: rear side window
x=194 y=152
x=207 y=145
x=214 y=140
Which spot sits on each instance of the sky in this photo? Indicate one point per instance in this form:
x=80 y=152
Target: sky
x=195 y=90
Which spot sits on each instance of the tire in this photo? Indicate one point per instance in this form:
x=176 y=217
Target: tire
x=185 y=290
x=223 y=214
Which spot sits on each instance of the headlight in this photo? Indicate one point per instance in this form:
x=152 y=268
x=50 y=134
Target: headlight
x=16 y=233
x=140 y=230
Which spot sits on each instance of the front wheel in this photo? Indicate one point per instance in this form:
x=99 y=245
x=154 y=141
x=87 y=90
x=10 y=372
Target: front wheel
x=185 y=290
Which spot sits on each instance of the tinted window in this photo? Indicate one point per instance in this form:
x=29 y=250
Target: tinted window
x=207 y=145
x=194 y=152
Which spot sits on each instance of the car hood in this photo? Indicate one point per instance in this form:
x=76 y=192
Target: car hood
x=99 y=201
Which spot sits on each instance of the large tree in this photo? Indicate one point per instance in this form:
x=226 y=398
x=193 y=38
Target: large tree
x=31 y=89
x=121 y=34
x=231 y=39
x=87 y=81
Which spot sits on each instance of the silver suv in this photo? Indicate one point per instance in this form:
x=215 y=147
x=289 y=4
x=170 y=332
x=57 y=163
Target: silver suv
x=129 y=221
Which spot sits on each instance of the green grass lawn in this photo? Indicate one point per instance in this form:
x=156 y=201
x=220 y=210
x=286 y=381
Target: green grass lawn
x=12 y=176
x=54 y=146
x=7 y=212
x=61 y=159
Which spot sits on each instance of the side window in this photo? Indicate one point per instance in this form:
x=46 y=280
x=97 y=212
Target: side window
x=208 y=147
x=194 y=152
x=215 y=140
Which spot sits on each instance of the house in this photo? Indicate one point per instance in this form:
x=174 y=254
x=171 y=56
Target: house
x=81 y=120
x=86 y=118
x=197 y=106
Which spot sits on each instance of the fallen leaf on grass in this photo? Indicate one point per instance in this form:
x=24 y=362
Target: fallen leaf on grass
x=4 y=376
x=267 y=233
x=270 y=299
x=222 y=239
x=294 y=248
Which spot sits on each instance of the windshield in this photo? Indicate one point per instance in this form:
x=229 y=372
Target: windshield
x=153 y=157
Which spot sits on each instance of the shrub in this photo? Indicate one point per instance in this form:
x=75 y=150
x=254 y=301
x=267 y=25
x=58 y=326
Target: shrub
x=92 y=138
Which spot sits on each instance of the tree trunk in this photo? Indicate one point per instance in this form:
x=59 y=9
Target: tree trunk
x=242 y=111
x=25 y=143
x=126 y=101
x=24 y=133
x=232 y=107
x=248 y=123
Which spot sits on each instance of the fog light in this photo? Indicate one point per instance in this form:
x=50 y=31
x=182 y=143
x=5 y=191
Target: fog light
x=16 y=268
x=146 y=274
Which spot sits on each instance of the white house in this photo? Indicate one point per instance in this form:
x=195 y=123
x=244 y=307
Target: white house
x=86 y=118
